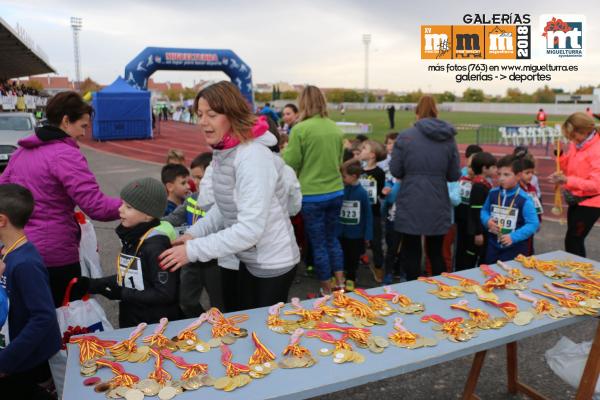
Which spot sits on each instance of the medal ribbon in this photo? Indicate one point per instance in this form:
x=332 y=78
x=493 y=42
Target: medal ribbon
x=232 y=369
x=158 y=338
x=90 y=347
x=261 y=355
x=128 y=345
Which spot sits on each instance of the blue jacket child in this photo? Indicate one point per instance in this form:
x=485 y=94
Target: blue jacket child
x=514 y=212
x=356 y=218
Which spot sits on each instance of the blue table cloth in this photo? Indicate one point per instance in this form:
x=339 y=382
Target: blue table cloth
x=326 y=376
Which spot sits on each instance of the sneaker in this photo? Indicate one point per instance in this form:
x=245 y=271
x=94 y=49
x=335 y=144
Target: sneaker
x=388 y=279
x=349 y=286
x=377 y=273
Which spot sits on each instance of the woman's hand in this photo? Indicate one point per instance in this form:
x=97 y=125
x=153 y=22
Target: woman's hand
x=182 y=239
x=174 y=258
x=558 y=178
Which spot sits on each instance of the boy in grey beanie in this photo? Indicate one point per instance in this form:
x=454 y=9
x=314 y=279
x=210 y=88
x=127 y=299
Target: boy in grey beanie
x=146 y=292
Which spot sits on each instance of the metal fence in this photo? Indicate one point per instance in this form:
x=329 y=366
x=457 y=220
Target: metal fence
x=518 y=135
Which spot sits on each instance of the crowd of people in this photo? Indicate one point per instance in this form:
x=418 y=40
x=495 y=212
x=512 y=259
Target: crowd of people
x=238 y=220
x=13 y=88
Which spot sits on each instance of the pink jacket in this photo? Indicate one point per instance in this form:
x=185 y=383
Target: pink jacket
x=58 y=176
x=582 y=168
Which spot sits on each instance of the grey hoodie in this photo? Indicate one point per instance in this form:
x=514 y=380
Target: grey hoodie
x=425 y=158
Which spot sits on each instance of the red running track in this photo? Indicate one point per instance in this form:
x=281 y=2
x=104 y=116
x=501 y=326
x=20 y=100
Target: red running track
x=167 y=135
x=186 y=137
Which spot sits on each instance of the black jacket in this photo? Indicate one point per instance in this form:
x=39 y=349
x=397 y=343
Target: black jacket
x=425 y=158
x=160 y=297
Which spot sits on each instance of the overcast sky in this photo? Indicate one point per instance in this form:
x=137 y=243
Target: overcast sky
x=318 y=42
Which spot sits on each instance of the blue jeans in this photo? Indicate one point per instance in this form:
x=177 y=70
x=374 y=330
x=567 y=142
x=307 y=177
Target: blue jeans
x=320 y=222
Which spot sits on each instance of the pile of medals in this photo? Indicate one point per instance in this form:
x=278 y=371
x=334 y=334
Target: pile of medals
x=407 y=339
x=340 y=326
x=452 y=329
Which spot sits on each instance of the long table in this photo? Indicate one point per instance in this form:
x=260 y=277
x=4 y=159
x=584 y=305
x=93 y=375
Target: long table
x=326 y=376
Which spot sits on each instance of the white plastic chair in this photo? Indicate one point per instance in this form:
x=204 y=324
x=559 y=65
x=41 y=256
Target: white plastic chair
x=522 y=136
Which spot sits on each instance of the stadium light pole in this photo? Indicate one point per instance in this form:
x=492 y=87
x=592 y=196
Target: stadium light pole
x=366 y=41
x=76 y=26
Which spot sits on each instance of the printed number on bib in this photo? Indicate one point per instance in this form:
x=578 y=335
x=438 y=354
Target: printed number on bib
x=132 y=278
x=350 y=214
x=506 y=218
x=537 y=203
x=370 y=186
x=465 y=191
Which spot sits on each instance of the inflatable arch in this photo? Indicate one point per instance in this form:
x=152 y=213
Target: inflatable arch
x=153 y=59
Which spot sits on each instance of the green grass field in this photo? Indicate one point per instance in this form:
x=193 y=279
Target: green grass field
x=404 y=119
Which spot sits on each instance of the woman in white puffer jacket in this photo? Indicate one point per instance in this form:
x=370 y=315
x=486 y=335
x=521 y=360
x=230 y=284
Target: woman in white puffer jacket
x=248 y=219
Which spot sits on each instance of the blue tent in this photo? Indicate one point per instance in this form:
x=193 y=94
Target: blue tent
x=121 y=112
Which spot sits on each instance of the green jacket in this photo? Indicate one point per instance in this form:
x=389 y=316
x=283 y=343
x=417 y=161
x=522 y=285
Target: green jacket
x=315 y=152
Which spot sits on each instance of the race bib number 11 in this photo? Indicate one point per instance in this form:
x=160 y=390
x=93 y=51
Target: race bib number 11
x=132 y=278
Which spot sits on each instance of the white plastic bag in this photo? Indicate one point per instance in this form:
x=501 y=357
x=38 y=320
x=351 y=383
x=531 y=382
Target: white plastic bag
x=567 y=359
x=89 y=258
x=83 y=316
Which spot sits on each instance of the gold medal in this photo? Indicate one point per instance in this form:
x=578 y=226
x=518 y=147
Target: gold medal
x=207 y=380
x=222 y=382
x=134 y=394
x=228 y=340
x=324 y=351
x=522 y=318
x=102 y=387
x=167 y=393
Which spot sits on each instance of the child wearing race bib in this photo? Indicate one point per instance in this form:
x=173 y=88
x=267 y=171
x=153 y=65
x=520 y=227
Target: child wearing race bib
x=461 y=212
x=146 y=292
x=484 y=169
x=509 y=214
x=175 y=177
x=197 y=276
x=527 y=185
x=30 y=335
x=355 y=223
x=373 y=181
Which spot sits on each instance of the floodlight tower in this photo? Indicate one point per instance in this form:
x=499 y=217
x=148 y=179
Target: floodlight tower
x=76 y=26
x=366 y=41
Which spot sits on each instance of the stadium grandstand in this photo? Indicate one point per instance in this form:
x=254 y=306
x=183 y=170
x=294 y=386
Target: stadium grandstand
x=19 y=57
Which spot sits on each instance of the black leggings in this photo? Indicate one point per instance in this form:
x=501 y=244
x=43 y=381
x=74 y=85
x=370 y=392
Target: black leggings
x=412 y=251
x=230 y=288
x=59 y=280
x=580 y=220
x=262 y=292
x=352 y=249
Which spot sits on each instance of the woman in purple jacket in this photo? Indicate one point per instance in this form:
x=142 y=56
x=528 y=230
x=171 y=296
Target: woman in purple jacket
x=51 y=165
